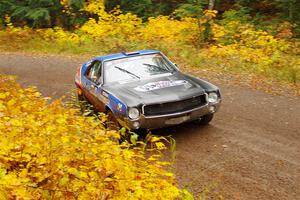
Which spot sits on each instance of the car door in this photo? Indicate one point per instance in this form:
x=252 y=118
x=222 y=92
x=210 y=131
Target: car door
x=93 y=86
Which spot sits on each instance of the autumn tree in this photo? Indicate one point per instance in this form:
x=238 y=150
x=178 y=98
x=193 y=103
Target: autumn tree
x=42 y=13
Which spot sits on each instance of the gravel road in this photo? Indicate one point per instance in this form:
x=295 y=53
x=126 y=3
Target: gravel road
x=251 y=150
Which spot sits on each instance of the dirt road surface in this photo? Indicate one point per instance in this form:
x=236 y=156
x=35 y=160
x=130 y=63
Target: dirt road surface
x=251 y=150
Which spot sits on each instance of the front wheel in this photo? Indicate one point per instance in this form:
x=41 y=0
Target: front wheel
x=112 y=123
x=204 y=120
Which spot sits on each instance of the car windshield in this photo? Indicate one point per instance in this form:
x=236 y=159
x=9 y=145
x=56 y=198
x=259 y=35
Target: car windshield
x=135 y=68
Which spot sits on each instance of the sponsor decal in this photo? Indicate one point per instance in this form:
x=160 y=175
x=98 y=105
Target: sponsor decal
x=119 y=107
x=159 y=85
x=124 y=60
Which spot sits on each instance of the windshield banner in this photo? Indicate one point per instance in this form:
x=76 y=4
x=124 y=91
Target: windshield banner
x=159 y=85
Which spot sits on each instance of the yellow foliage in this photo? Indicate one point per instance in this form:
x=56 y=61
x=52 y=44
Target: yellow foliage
x=210 y=13
x=240 y=44
x=18 y=31
x=95 y=7
x=58 y=35
x=166 y=29
x=112 y=24
x=49 y=151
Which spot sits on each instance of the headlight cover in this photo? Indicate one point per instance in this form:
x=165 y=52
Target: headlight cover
x=133 y=113
x=213 y=97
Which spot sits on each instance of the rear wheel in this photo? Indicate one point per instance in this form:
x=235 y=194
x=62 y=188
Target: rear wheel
x=80 y=95
x=204 y=120
x=83 y=103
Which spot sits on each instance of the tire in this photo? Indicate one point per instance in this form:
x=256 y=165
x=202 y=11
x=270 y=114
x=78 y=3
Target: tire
x=112 y=123
x=83 y=103
x=80 y=97
x=204 y=120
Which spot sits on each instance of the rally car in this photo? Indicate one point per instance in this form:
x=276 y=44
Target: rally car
x=145 y=90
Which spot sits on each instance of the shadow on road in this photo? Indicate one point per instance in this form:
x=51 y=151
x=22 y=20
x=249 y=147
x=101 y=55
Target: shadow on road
x=190 y=129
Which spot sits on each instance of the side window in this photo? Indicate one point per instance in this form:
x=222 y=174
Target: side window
x=94 y=72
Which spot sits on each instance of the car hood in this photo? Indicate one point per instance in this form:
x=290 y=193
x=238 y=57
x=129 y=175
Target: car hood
x=156 y=90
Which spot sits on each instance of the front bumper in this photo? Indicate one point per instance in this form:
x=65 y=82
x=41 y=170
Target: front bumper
x=161 y=121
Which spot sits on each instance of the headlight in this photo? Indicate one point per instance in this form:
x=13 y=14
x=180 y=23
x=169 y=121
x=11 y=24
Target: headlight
x=133 y=113
x=212 y=97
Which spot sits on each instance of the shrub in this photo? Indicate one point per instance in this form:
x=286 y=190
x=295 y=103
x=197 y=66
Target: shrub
x=48 y=151
x=235 y=42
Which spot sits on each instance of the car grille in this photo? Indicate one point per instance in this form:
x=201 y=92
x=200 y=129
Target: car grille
x=174 y=107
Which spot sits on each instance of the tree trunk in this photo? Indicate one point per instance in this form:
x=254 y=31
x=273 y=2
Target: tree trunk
x=291 y=9
x=211 y=4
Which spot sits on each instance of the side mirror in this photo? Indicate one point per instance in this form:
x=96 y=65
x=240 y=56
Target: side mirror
x=175 y=64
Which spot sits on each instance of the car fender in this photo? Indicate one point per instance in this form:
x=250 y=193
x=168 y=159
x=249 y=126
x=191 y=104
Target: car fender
x=207 y=86
x=118 y=108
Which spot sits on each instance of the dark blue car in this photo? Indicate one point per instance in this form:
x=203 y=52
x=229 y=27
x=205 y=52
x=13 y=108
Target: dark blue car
x=145 y=90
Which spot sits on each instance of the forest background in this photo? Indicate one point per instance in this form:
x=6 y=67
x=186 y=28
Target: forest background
x=259 y=37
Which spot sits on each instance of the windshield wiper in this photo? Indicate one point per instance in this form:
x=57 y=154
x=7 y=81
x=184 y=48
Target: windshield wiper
x=128 y=72
x=159 y=67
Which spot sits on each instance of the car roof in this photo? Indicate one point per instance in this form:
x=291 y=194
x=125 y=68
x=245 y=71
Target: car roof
x=125 y=55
